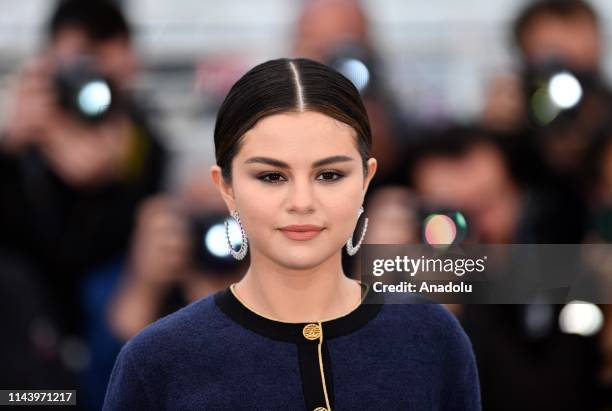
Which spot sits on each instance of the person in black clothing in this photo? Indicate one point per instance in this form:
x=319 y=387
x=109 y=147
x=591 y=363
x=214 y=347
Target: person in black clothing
x=70 y=186
x=525 y=360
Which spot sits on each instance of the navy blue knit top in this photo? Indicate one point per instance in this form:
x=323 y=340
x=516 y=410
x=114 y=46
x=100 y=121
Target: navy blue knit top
x=217 y=354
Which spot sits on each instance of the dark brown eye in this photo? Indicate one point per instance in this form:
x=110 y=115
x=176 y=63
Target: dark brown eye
x=271 y=178
x=330 y=176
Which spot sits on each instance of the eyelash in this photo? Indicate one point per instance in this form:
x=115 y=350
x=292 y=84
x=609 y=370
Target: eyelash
x=264 y=177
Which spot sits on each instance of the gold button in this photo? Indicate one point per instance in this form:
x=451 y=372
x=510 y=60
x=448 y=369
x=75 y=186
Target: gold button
x=320 y=409
x=312 y=332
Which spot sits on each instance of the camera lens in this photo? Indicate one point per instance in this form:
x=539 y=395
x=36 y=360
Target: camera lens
x=94 y=98
x=83 y=91
x=210 y=248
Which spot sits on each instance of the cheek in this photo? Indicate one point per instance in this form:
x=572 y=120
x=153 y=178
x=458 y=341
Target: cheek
x=258 y=217
x=341 y=207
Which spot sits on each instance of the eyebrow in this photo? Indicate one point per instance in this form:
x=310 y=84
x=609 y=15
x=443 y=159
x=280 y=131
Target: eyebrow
x=281 y=164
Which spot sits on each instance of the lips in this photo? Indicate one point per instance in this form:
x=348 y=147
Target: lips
x=302 y=227
x=301 y=232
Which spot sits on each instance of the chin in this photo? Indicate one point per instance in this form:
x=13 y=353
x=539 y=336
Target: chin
x=300 y=259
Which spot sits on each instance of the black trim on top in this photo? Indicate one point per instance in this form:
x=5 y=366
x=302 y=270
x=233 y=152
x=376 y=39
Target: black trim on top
x=292 y=332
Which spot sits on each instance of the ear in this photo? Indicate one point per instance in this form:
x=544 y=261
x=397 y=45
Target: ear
x=372 y=166
x=224 y=188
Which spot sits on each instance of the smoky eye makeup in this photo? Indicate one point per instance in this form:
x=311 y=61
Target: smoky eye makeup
x=271 y=177
x=330 y=175
x=324 y=176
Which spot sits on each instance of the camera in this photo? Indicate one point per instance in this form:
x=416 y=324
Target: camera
x=210 y=248
x=356 y=63
x=442 y=226
x=555 y=92
x=84 y=91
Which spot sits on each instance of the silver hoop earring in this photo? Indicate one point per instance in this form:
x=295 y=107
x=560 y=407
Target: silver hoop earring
x=244 y=246
x=350 y=249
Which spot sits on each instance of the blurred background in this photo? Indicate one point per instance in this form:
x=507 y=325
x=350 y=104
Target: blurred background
x=491 y=124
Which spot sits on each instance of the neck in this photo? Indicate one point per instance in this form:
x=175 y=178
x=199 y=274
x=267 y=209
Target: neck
x=298 y=295
x=197 y=285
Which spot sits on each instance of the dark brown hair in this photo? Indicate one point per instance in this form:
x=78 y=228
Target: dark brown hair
x=562 y=9
x=288 y=85
x=100 y=20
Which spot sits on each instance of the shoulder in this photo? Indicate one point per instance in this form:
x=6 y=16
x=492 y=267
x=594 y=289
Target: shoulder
x=186 y=328
x=431 y=323
x=147 y=363
x=437 y=338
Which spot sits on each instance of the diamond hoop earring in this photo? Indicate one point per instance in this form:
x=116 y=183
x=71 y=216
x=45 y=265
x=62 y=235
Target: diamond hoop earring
x=244 y=246
x=350 y=249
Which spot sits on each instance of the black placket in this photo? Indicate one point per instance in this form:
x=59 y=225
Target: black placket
x=312 y=383
x=308 y=337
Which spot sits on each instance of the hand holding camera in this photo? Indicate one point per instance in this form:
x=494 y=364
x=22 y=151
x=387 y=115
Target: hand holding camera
x=74 y=116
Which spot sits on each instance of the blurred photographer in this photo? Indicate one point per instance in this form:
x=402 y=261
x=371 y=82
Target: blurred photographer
x=556 y=103
x=77 y=153
x=338 y=33
x=466 y=169
x=546 y=33
x=567 y=99
x=523 y=364
x=179 y=254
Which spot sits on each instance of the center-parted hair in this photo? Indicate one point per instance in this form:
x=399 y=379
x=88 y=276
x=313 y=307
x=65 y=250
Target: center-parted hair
x=282 y=86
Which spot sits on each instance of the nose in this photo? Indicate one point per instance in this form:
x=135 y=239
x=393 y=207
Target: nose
x=301 y=196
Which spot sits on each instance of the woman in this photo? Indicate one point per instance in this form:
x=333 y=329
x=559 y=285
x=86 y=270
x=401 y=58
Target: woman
x=292 y=145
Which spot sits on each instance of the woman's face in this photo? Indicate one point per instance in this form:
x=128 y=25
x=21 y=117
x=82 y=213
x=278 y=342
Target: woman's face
x=297 y=169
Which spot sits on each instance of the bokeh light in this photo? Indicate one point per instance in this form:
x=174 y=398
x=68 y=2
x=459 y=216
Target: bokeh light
x=440 y=229
x=565 y=90
x=94 y=98
x=215 y=241
x=542 y=108
x=356 y=71
x=582 y=318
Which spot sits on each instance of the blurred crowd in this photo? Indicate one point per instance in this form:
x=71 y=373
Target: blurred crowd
x=94 y=246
